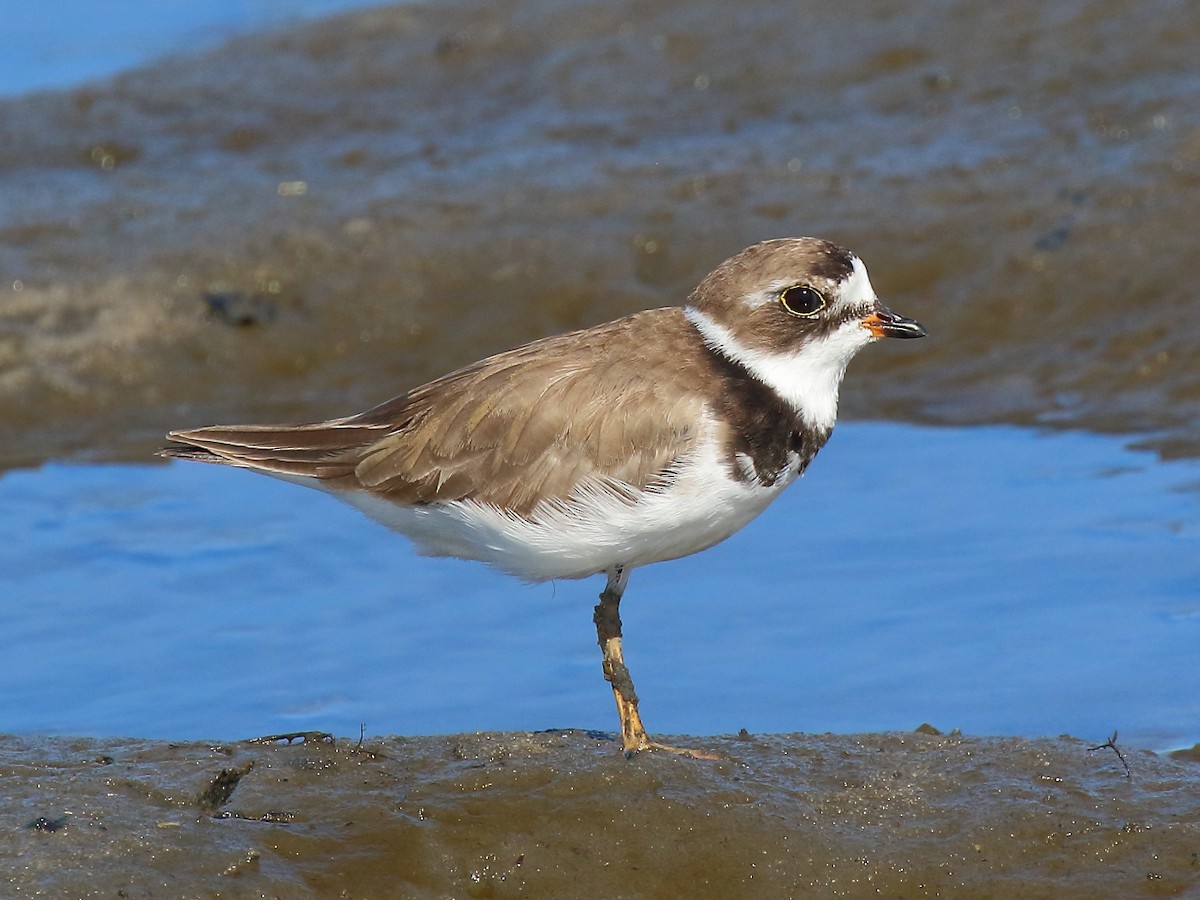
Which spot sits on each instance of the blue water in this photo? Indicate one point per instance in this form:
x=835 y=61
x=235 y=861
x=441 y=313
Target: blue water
x=55 y=44
x=996 y=580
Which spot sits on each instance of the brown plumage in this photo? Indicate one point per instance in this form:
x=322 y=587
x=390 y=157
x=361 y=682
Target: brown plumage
x=531 y=423
x=509 y=430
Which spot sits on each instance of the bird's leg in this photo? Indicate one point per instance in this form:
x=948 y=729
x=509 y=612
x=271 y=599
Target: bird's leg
x=616 y=673
x=608 y=633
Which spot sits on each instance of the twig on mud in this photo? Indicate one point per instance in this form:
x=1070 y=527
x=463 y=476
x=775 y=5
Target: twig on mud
x=1111 y=744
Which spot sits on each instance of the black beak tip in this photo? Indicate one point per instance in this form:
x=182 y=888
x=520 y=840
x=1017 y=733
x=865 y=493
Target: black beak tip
x=885 y=323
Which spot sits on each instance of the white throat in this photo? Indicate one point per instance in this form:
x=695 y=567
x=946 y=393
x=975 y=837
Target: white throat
x=807 y=379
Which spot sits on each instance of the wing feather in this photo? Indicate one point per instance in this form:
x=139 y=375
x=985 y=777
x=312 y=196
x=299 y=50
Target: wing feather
x=531 y=423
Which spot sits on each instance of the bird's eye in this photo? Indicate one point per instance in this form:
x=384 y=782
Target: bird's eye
x=802 y=301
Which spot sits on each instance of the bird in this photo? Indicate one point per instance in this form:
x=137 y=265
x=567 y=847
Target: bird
x=598 y=451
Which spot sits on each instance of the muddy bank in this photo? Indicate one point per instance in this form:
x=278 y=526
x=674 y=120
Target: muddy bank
x=564 y=815
x=308 y=221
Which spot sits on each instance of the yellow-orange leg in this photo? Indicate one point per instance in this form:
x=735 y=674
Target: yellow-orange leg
x=616 y=673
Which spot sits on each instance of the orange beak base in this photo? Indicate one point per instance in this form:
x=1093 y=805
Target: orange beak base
x=885 y=323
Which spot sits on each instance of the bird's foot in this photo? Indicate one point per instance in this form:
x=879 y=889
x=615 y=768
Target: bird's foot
x=685 y=752
x=635 y=740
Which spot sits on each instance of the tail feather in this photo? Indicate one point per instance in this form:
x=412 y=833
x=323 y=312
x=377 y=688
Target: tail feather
x=324 y=450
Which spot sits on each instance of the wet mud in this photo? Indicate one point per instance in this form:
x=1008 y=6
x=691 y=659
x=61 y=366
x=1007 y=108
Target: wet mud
x=563 y=814
x=309 y=221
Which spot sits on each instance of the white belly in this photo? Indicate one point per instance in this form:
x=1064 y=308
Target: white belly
x=593 y=531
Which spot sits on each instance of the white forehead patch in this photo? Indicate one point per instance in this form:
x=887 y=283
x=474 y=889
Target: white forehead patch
x=856 y=290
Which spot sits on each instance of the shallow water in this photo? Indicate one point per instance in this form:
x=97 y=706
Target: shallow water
x=67 y=42
x=997 y=580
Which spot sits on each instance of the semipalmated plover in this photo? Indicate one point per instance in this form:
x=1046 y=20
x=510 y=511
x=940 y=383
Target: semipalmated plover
x=640 y=440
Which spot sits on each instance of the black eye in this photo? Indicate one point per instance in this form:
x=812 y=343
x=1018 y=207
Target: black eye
x=802 y=301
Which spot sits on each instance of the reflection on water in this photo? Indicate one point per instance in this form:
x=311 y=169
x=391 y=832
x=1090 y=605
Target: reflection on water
x=995 y=580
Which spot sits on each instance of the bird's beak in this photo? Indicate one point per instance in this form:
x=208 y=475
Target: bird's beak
x=882 y=322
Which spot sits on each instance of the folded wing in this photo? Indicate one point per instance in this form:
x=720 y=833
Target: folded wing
x=535 y=422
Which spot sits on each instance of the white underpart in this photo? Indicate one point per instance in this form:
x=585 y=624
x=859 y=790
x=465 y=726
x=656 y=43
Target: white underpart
x=807 y=379
x=593 y=530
